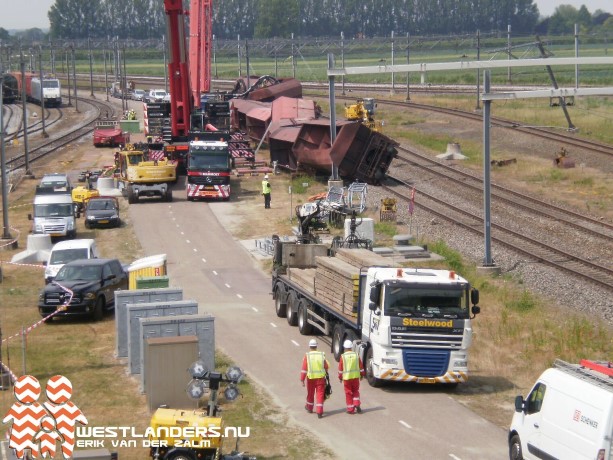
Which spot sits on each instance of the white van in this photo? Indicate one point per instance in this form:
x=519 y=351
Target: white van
x=67 y=251
x=53 y=213
x=568 y=415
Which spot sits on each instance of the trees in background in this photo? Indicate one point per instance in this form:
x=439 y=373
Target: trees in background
x=145 y=19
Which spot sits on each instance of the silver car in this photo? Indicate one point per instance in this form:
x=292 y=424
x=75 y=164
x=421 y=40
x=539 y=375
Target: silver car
x=138 y=94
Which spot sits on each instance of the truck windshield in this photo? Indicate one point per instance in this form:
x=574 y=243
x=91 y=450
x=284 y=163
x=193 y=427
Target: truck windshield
x=53 y=210
x=209 y=159
x=427 y=302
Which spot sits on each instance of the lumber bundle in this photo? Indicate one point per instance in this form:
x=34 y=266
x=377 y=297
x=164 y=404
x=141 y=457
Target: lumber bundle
x=337 y=284
x=304 y=277
x=360 y=257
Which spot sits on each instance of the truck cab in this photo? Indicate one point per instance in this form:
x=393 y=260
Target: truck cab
x=209 y=167
x=417 y=323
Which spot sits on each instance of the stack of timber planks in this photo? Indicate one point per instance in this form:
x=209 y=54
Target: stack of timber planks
x=336 y=280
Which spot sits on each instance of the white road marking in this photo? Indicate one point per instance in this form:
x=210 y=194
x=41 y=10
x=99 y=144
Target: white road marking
x=187 y=241
x=295 y=343
x=227 y=285
x=182 y=233
x=455 y=457
x=254 y=309
x=405 y=424
x=195 y=250
x=273 y=324
x=204 y=260
x=240 y=297
x=215 y=273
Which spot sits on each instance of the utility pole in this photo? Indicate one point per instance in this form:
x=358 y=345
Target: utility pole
x=25 y=117
x=91 y=69
x=74 y=78
x=541 y=48
x=6 y=235
x=42 y=100
x=478 y=73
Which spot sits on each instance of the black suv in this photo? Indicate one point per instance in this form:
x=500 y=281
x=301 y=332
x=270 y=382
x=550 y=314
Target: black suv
x=93 y=283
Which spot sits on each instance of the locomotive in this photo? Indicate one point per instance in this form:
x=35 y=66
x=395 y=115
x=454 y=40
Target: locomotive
x=10 y=88
x=48 y=92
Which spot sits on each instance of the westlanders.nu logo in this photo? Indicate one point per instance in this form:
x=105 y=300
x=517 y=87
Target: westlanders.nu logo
x=39 y=428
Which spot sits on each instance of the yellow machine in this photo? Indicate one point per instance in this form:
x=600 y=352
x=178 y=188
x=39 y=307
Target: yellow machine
x=197 y=434
x=363 y=111
x=388 y=210
x=140 y=177
x=80 y=195
x=188 y=430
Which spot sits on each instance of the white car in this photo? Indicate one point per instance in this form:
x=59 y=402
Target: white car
x=155 y=95
x=138 y=94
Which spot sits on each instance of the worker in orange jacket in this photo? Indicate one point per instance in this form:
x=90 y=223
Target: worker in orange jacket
x=350 y=372
x=314 y=369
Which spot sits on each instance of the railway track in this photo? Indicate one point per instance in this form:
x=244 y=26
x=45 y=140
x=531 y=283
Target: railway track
x=79 y=130
x=463 y=215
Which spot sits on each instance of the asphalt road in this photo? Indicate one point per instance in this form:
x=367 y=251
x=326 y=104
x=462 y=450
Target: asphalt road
x=400 y=421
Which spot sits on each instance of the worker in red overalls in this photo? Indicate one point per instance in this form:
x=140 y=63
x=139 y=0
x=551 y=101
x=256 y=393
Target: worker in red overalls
x=350 y=372
x=314 y=369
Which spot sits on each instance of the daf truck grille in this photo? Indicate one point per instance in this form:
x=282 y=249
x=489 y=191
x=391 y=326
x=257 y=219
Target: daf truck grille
x=425 y=363
x=433 y=337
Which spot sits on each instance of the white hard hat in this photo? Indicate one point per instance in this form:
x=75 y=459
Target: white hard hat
x=312 y=343
x=347 y=343
x=266 y=176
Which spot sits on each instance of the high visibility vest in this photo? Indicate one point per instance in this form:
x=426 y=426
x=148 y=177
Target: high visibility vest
x=315 y=365
x=351 y=365
x=265 y=187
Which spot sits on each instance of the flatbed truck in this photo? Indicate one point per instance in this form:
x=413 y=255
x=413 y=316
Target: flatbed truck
x=407 y=324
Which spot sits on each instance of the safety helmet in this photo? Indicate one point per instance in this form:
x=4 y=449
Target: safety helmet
x=312 y=343
x=347 y=343
x=266 y=176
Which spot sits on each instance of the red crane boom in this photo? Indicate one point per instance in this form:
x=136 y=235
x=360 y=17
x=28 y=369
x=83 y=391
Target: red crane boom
x=200 y=40
x=178 y=70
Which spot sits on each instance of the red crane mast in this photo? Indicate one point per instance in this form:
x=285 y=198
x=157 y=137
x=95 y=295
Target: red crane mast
x=200 y=42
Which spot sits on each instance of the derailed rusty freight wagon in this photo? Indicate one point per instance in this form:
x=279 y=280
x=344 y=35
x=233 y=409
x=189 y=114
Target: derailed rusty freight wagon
x=360 y=153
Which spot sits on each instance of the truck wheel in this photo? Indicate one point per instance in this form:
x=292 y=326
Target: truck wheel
x=515 y=449
x=280 y=308
x=372 y=380
x=303 y=326
x=99 y=309
x=292 y=309
x=337 y=341
x=131 y=196
x=169 y=195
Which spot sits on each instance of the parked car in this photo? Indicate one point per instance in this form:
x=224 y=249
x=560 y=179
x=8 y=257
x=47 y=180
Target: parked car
x=155 y=95
x=93 y=283
x=102 y=211
x=67 y=251
x=138 y=94
x=59 y=182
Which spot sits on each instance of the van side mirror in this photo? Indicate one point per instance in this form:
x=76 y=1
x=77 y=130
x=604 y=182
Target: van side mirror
x=519 y=404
